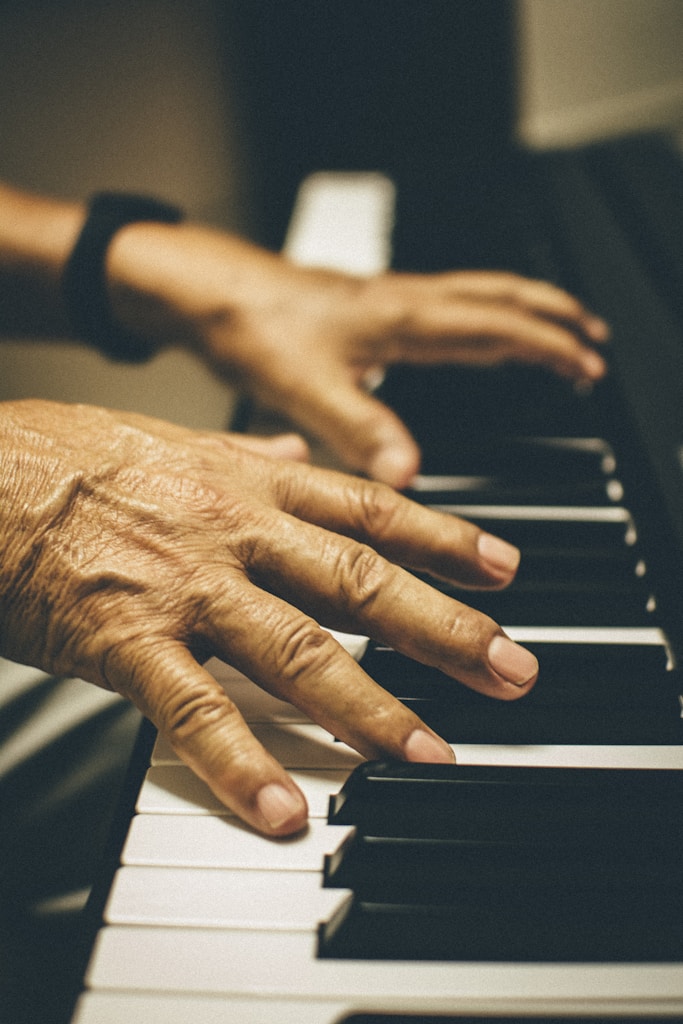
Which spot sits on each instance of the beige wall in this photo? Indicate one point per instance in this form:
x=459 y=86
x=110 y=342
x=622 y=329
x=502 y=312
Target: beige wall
x=594 y=68
x=127 y=95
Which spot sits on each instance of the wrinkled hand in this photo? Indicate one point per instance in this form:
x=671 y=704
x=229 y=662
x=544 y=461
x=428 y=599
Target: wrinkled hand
x=132 y=550
x=301 y=340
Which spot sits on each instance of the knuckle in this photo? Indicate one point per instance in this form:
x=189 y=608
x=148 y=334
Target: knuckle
x=301 y=649
x=185 y=712
x=361 y=574
x=467 y=634
x=377 y=510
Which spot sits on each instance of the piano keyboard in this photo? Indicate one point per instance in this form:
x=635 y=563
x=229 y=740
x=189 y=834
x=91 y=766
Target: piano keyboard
x=438 y=892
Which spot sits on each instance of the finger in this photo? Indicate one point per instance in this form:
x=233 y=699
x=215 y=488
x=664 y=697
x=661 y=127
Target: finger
x=348 y=586
x=291 y=447
x=443 y=545
x=290 y=656
x=540 y=297
x=491 y=334
x=207 y=731
x=366 y=435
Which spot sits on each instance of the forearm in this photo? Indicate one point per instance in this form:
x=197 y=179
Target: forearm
x=36 y=236
x=164 y=282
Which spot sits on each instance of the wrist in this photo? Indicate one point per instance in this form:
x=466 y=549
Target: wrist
x=87 y=284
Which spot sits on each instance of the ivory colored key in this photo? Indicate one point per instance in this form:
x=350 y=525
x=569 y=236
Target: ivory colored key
x=215 y=898
x=177 y=840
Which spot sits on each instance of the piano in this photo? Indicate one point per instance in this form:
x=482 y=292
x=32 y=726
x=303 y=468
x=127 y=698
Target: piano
x=541 y=878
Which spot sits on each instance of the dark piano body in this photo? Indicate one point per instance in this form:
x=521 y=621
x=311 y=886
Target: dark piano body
x=546 y=885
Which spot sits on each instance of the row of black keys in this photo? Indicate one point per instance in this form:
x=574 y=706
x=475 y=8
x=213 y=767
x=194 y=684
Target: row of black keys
x=574 y=571
x=508 y=864
x=580 y=567
x=515 y=864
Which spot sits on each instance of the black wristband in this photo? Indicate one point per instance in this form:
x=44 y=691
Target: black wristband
x=84 y=283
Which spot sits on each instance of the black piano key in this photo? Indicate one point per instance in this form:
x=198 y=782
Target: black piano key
x=447 y=407
x=531 y=459
x=595 y=694
x=610 y=565
x=510 y=803
x=655 y=722
x=556 y=531
x=511 y=490
x=628 y=923
x=438 y=870
x=560 y=605
x=587 y=673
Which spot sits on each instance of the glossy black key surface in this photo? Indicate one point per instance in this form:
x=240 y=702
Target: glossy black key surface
x=629 y=923
x=585 y=694
x=539 y=865
x=540 y=459
x=390 y=869
x=556 y=530
x=650 y=723
x=585 y=672
x=565 y=604
x=564 y=565
x=511 y=804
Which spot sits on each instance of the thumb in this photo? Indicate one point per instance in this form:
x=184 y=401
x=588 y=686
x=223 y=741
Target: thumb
x=366 y=434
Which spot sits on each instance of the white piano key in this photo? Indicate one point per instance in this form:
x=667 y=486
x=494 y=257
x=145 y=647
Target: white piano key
x=562 y=513
x=293 y=745
x=123 y=1007
x=254 y=703
x=215 y=898
x=159 y=1008
x=343 y=221
x=178 y=840
x=283 y=964
x=568 y=756
x=175 y=789
x=624 y=635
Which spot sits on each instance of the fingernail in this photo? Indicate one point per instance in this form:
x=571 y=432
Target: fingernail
x=500 y=557
x=278 y=805
x=514 y=663
x=424 y=746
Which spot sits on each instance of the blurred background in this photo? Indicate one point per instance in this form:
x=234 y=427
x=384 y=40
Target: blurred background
x=223 y=105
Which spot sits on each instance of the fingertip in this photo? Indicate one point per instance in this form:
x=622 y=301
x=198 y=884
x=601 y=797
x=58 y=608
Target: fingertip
x=499 y=558
x=283 y=811
x=596 y=328
x=510 y=661
x=427 y=748
x=395 y=465
x=594 y=365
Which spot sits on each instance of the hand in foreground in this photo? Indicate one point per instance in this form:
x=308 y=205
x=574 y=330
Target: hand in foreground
x=132 y=550
x=302 y=340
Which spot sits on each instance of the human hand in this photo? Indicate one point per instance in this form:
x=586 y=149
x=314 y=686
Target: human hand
x=132 y=550
x=302 y=340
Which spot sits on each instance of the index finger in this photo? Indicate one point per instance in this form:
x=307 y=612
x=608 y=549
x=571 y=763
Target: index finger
x=404 y=532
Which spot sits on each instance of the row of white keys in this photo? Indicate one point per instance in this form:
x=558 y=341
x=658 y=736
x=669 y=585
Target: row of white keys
x=243 y=928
